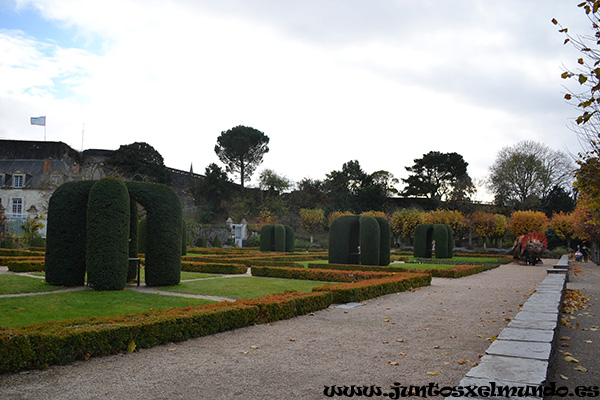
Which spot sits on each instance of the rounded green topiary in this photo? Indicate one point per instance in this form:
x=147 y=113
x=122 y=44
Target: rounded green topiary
x=267 y=238
x=344 y=240
x=66 y=234
x=290 y=239
x=423 y=241
x=369 y=240
x=279 y=233
x=107 y=249
x=444 y=241
x=163 y=241
x=385 y=241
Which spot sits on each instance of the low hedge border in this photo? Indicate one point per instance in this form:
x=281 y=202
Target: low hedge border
x=325 y=275
x=62 y=342
x=368 y=289
x=18 y=252
x=455 y=272
x=26 y=266
x=213 y=268
x=6 y=259
x=287 y=305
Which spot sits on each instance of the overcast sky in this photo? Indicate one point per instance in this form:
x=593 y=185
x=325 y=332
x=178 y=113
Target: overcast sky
x=329 y=81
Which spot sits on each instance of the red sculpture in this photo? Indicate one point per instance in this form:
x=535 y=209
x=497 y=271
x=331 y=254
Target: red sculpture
x=528 y=248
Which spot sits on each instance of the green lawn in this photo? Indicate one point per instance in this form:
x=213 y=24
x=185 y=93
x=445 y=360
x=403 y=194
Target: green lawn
x=242 y=287
x=14 y=284
x=18 y=311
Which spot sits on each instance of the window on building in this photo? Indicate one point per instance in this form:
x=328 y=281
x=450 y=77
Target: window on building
x=17 y=206
x=18 y=181
x=1 y=180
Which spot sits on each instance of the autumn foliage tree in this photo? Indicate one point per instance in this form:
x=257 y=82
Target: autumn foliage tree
x=454 y=219
x=404 y=222
x=500 y=228
x=483 y=224
x=312 y=220
x=335 y=214
x=563 y=224
x=523 y=222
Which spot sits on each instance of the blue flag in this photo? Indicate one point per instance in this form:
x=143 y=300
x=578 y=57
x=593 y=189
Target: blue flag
x=38 y=121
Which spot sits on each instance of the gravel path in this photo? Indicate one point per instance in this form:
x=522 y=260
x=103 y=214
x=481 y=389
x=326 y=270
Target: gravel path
x=433 y=334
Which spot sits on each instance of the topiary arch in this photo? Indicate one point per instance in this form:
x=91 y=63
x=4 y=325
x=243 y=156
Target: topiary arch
x=427 y=234
x=90 y=228
x=361 y=240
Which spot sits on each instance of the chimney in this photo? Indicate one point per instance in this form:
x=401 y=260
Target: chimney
x=47 y=165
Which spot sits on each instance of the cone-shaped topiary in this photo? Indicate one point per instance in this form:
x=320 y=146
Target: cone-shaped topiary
x=107 y=243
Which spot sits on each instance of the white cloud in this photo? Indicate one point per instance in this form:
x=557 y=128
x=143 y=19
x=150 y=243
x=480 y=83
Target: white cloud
x=381 y=82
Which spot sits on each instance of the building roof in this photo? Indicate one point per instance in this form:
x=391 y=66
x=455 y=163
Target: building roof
x=34 y=171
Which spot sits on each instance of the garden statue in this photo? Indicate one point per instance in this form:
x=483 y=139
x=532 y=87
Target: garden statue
x=528 y=248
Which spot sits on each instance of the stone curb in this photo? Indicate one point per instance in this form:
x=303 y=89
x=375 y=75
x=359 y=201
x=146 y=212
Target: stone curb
x=521 y=355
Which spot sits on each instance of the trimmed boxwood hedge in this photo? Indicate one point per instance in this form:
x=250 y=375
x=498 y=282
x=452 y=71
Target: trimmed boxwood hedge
x=213 y=268
x=385 y=241
x=267 y=238
x=31 y=265
x=344 y=239
x=66 y=233
x=290 y=239
x=163 y=245
x=63 y=342
x=279 y=236
x=107 y=244
x=370 y=238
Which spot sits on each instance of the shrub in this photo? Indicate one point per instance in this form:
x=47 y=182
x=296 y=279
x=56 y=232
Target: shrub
x=163 y=245
x=344 y=239
x=290 y=239
x=370 y=239
x=31 y=265
x=37 y=241
x=385 y=241
x=279 y=235
x=107 y=251
x=213 y=268
x=66 y=233
x=267 y=238
x=368 y=289
x=216 y=241
x=423 y=240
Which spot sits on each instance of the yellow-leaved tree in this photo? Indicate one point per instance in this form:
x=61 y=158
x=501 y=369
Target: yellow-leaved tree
x=404 y=222
x=312 y=220
x=523 y=222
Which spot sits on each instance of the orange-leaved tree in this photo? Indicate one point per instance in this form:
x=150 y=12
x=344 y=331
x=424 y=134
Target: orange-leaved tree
x=523 y=222
x=483 y=224
x=312 y=220
x=335 y=214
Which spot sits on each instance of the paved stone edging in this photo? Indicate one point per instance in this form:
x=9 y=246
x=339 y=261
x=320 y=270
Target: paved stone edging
x=521 y=354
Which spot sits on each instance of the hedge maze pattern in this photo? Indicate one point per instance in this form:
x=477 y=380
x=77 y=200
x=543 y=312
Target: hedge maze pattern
x=91 y=228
